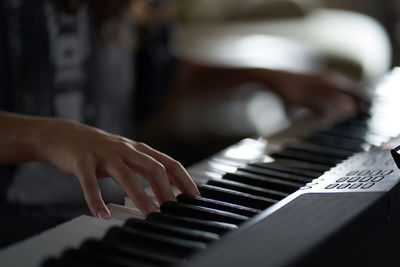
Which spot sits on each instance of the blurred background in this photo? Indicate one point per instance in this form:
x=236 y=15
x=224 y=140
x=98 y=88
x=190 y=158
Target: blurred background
x=358 y=38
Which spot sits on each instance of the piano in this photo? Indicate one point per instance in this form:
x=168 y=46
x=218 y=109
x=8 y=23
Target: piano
x=330 y=197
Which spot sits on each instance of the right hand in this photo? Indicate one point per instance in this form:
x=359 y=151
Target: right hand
x=90 y=153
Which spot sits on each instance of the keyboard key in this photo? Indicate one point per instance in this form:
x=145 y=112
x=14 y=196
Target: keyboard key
x=83 y=258
x=367 y=185
x=249 y=189
x=235 y=197
x=386 y=172
x=336 y=142
x=375 y=172
x=308 y=157
x=342 y=179
x=287 y=169
x=321 y=150
x=308 y=166
x=174 y=231
x=364 y=172
x=355 y=185
x=264 y=182
x=366 y=179
x=94 y=258
x=345 y=133
x=343 y=186
x=377 y=179
x=153 y=243
x=137 y=255
x=352 y=173
x=331 y=186
x=354 y=179
x=219 y=205
x=187 y=210
x=191 y=223
x=277 y=174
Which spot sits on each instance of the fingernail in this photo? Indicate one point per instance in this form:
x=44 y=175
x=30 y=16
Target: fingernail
x=103 y=214
x=196 y=193
x=152 y=208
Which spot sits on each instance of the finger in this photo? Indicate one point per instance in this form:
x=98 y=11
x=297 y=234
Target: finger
x=348 y=86
x=319 y=106
x=343 y=102
x=154 y=171
x=91 y=192
x=131 y=185
x=178 y=175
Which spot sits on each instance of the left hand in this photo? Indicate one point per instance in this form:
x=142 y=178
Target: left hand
x=322 y=93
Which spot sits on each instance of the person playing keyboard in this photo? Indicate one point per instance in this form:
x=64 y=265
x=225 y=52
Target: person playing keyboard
x=66 y=86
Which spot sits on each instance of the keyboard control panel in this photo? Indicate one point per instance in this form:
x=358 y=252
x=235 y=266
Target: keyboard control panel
x=373 y=171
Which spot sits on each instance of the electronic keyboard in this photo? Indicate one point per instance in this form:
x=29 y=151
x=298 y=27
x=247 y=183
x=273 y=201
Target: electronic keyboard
x=328 y=198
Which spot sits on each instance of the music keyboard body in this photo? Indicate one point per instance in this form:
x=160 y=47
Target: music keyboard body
x=331 y=198
x=322 y=225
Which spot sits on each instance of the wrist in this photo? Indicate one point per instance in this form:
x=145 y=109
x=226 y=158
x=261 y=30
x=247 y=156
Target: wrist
x=39 y=138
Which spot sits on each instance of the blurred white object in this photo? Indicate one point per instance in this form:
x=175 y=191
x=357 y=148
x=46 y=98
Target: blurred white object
x=324 y=32
x=244 y=111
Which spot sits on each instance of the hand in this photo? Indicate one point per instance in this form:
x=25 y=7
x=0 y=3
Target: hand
x=90 y=153
x=322 y=93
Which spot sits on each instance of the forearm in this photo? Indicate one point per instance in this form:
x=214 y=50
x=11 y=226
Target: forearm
x=20 y=138
x=195 y=78
x=322 y=92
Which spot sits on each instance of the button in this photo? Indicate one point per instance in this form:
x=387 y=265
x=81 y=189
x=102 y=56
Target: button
x=369 y=162
x=396 y=155
x=352 y=173
x=343 y=186
x=376 y=172
x=367 y=185
x=341 y=180
x=386 y=172
x=354 y=179
x=377 y=179
x=331 y=186
x=366 y=179
x=364 y=172
x=355 y=185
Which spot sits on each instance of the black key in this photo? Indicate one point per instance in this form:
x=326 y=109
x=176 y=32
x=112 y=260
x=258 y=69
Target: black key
x=98 y=259
x=174 y=231
x=215 y=204
x=353 y=124
x=277 y=174
x=287 y=169
x=191 y=223
x=288 y=153
x=335 y=142
x=262 y=181
x=292 y=163
x=249 y=189
x=123 y=251
x=153 y=243
x=322 y=150
x=235 y=197
x=356 y=135
x=353 y=129
x=187 y=210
